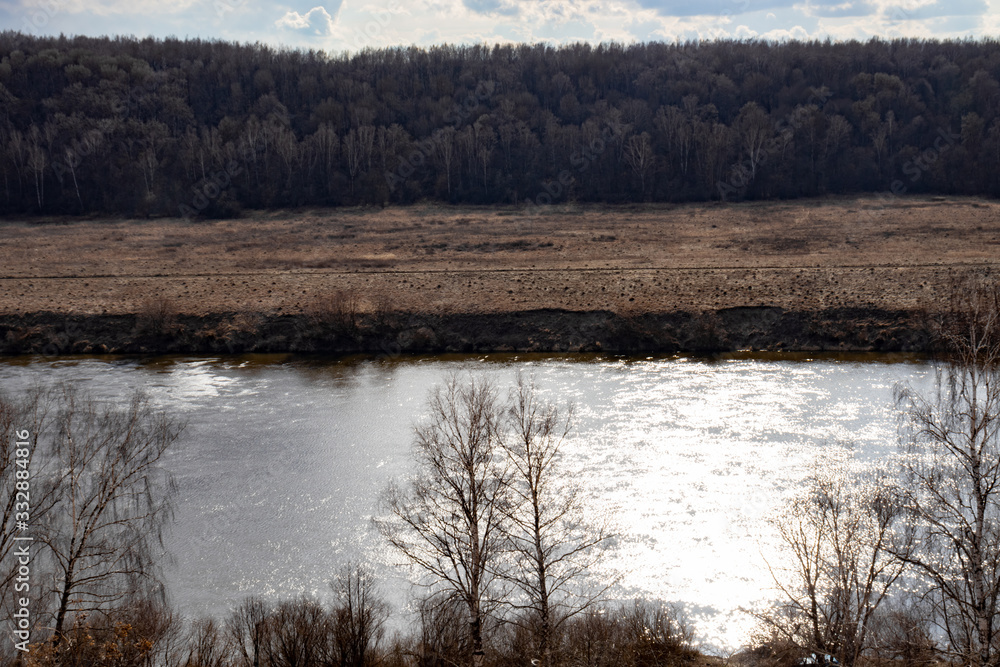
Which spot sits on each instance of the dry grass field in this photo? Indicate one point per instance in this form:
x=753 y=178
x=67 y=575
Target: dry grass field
x=898 y=254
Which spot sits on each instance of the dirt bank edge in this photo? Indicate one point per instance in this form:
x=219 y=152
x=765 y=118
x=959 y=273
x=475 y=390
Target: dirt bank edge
x=548 y=330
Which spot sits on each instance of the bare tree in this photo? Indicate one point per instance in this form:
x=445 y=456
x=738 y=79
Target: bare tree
x=446 y=522
x=552 y=546
x=753 y=126
x=353 y=152
x=114 y=500
x=246 y=629
x=26 y=490
x=205 y=645
x=952 y=442
x=640 y=157
x=485 y=142
x=298 y=634
x=841 y=540
x=359 y=616
x=445 y=150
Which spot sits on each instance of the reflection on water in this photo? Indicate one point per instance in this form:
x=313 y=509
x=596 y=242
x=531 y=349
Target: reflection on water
x=283 y=461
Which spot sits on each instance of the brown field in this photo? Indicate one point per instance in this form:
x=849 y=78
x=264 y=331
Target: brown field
x=897 y=254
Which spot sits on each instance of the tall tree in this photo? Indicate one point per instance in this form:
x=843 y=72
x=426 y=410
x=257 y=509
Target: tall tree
x=552 y=546
x=447 y=520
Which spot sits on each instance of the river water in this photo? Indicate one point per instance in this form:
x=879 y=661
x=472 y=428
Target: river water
x=283 y=460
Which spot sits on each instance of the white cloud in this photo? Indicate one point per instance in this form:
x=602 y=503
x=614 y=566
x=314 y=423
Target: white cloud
x=782 y=35
x=317 y=21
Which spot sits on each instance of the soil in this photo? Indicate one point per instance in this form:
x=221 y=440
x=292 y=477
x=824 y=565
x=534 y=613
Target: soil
x=652 y=271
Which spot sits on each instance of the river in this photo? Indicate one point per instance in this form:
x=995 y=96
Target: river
x=283 y=460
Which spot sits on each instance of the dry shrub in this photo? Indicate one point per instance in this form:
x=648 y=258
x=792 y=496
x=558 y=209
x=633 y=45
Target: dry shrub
x=593 y=639
x=656 y=634
x=156 y=316
x=337 y=311
x=131 y=636
x=641 y=634
x=515 y=642
x=903 y=636
x=382 y=308
x=770 y=648
x=443 y=638
x=242 y=325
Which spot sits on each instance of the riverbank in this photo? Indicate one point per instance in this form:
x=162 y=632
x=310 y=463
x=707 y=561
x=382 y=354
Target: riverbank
x=828 y=274
x=394 y=333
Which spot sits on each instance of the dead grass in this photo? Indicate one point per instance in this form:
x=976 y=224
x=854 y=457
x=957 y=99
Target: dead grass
x=795 y=255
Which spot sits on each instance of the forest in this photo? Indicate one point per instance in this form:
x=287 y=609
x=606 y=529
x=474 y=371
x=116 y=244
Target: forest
x=148 y=127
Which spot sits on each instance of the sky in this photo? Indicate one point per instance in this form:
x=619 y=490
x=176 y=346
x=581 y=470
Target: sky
x=337 y=26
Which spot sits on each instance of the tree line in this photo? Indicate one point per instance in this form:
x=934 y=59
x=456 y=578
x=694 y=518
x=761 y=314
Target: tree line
x=170 y=127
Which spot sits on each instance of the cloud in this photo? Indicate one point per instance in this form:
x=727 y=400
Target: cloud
x=104 y=7
x=711 y=7
x=317 y=21
x=839 y=10
x=782 y=35
x=935 y=9
x=644 y=31
x=491 y=7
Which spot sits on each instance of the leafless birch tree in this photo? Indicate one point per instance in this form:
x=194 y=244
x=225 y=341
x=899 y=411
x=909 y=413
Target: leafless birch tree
x=951 y=439
x=446 y=521
x=551 y=545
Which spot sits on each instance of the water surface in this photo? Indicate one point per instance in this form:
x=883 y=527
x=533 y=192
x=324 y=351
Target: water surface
x=283 y=460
